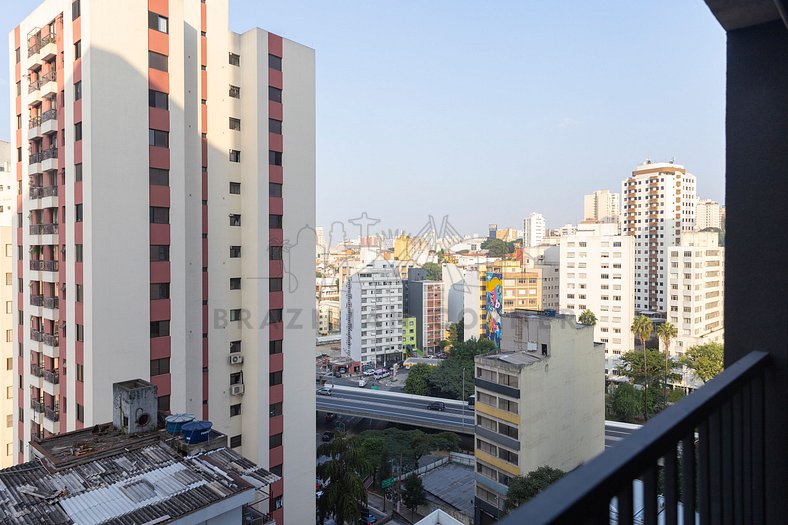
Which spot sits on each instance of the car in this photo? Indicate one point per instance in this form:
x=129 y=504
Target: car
x=324 y=391
x=368 y=372
x=327 y=436
x=440 y=406
x=369 y=518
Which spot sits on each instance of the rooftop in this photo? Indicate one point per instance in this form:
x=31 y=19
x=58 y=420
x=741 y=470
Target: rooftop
x=453 y=484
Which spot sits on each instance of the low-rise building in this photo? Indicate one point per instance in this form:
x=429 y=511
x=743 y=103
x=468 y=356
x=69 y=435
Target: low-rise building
x=409 y=334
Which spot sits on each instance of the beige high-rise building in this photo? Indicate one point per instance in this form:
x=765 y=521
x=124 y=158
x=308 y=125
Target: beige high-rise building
x=521 y=287
x=709 y=214
x=8 y=194
x=602 y=206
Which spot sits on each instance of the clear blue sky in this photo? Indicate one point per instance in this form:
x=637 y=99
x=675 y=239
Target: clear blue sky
x=486 y=111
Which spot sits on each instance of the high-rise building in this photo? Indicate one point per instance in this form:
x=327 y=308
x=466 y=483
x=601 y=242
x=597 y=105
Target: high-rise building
x=659 y=204
x=181 y=277
x=521 y=287
x=371 y=302
x=598 y=274
x=602 y=206
x=539 y=402
x=425 y=303
x=8 y=193
x=709 y=214
x=545 y=260
x=533 y=230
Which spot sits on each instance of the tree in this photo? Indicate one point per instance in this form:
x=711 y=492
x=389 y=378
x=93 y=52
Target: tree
x=631 y=366
x=523 y=488
x=376 y=452
x=705 y=360
x=666 y=332
x=411 y=445
x=447 y=379
x=434 y=271
x=453 y=333
x=345 y=471
x=418 y=381
x=587 y=318
x=497 y=247
x=642 y=328
x=626 y=402
x=413 y=493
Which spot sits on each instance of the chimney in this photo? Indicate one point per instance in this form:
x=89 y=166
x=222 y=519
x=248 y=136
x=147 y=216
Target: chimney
x=134 y=406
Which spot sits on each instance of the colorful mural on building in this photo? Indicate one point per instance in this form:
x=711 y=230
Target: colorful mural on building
x=494 y=308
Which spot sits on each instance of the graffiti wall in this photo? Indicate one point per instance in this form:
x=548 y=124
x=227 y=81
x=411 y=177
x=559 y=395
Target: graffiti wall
x=494 y=308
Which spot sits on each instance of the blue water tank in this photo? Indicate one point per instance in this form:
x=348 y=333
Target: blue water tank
x=174 y=422
x=549 y=312
x=196 y=431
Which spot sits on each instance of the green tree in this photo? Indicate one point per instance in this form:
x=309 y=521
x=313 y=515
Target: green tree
x=523 y=488
x=666 y=332
x=376 y=452
x=413 y=493
x=705 y=360
x=587 y=318
x=346 y=469
x=626 y=402
x=452 y=338
x=434 y=271
x=497 y=247
x=411 y=445
x=642 y=328
x=631 y=366
x=418 y=381
x=447 y=379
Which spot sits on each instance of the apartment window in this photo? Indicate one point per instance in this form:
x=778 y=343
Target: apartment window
x=78 y=49
x=486 y=447
x=275 y=441
x=235 y=124
x=9 y=278
x=159 y=177
x=77 y=90
x=78 y=172
x=9 y=363
x=78 y=131
x=275 y=378
x=275 y=409
x=157 y=22
x=19 y=122
x=78 y=252
x=159 y=215
x=158 y=138
x=506 y=455
x=235 y=155
x=235 y=347
x=235 y=410
x=275 y=253
x=274 y=189
x=157 y=99
x=275 y=315
x=235 y=283
x=235 y=60
x=79 y=293
x=18 y=56
x=235 y=252
x=235 y=314
x=274 y=221
x=274 y=94
x=235 y=219
x=160 y=366
x=159 y=328
x=275 y=285
x=274 y=62
x=157 y=61
x=236 y=441
x=509 y=406
x=78 y=212
x=275 y=158
x=159 y=252
x=80 y=410
x=235 y=91
x=275 y=347
x=487 y=399
x=80 y=333
x=275 y=126
x=235 y=188
x=159 y=291
x=508 y=431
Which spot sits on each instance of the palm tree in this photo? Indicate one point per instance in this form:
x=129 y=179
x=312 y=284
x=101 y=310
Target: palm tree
x=666 y=332
x=642 y=328
x=344 y=473
x=587 y=318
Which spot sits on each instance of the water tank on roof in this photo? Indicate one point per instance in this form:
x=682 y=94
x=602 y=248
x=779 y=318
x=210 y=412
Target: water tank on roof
x=176 y=421
x=549 y=312
x=196 y=431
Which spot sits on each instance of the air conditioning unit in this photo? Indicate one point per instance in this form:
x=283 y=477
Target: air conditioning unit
x=237 y=390
x=236 y=359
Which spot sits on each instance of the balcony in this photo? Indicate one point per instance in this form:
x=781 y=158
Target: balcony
x=43 y=229
x=708 y=449
x=41 y=192
x=36 y=405
x=48 y=46
x=46 y=266
x=48 y=123
x=252 y=516
x=48 y=83
x=43 y=337
x=49 y=159
x=52 y=376
x=36 y=370
x=52 y=413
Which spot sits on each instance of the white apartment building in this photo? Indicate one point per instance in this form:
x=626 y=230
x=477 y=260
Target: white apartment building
x=533 y=229
x=659 y=205
x=602 y=206
x=709 y=214
x=545 y=259
x=696 y=283
x=598 y=274
x=182 y=277
x=371 y=302
x=8 y=194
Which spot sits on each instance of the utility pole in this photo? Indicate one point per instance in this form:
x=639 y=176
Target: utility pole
x=399 y=475
x=463 y=397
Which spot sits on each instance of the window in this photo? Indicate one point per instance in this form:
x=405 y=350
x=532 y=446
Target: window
x=80 y=333
x=274 y=189
x=159 y=291
x=235 y=91
x=159 y=177
x=235 y=347
x=509 y=406
x=78 y=252
x=80 y=372
x=275 y=315
x=18 y=56
x=274 y=94
x=235 y=283
x=160 y=366
x=9 y=278
x=78 y=172
x=157 y=99
x=275 y=378
x=275 y=126
x=78 y=131
x=235 y=124
x=275 y=441
x=157 y=22
x=235 y=219
x=275 y=158
x=274 y=221
x=235 y=441
x=275 y=285
x=159 y=252
x=508 y=431
x=274 y=62
x=158 y=138
x=80 y=410
x=78 y=49
x=159 y=328
x=79 y=293
x=9 y=363
x=235 y=60
x=77 y=90
x=275 y=410
x=235 y=188
x=159 y=215
x=157 y=61
x=487 y=399
x=275 y=347
x=235 y=252
x=275 y=253
x=235 y=410
x=505 y=455
x=235 y=314
x=235 y=155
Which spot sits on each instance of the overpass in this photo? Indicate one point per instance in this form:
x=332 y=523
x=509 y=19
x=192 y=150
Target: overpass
x=408 y=409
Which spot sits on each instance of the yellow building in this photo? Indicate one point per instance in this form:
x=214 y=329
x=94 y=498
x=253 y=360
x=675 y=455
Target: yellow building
x=521 y=287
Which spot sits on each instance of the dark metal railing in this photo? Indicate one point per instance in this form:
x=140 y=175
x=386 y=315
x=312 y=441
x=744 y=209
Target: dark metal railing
x=52 y=376
x=50 y=302
x=707 y=452
x=36 y=405
x=34 y=122
x=52 y=413
x=50 y=153
x=43 y=229
x=35 y=157
x=36 y=370
x=49 y=115
x=46 y=191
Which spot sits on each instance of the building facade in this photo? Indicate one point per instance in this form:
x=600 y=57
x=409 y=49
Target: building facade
x=521 y=287
x=425 y=303
x=408 y=334
x=210 y=248
x=602 y=206
x=533 y=230
x=659 y=204
x=8 y=191
x=709 y=214
x=540 y=401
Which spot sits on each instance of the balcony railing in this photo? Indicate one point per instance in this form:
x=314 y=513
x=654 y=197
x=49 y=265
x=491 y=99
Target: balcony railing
x=47 y=339
x=34 y=122
x=50 y=153
x=49 y=114
x=52 y=413
x=35 y=157
x=50 y=302
x=36 y=370
x=45 y=229
x=36 y=405
x=47 y=266
x=36 y=300
x=46 y=302
x=49 y=76
x=34 y=85
x=52 y=376
x=708 y=449
x=47 y=191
